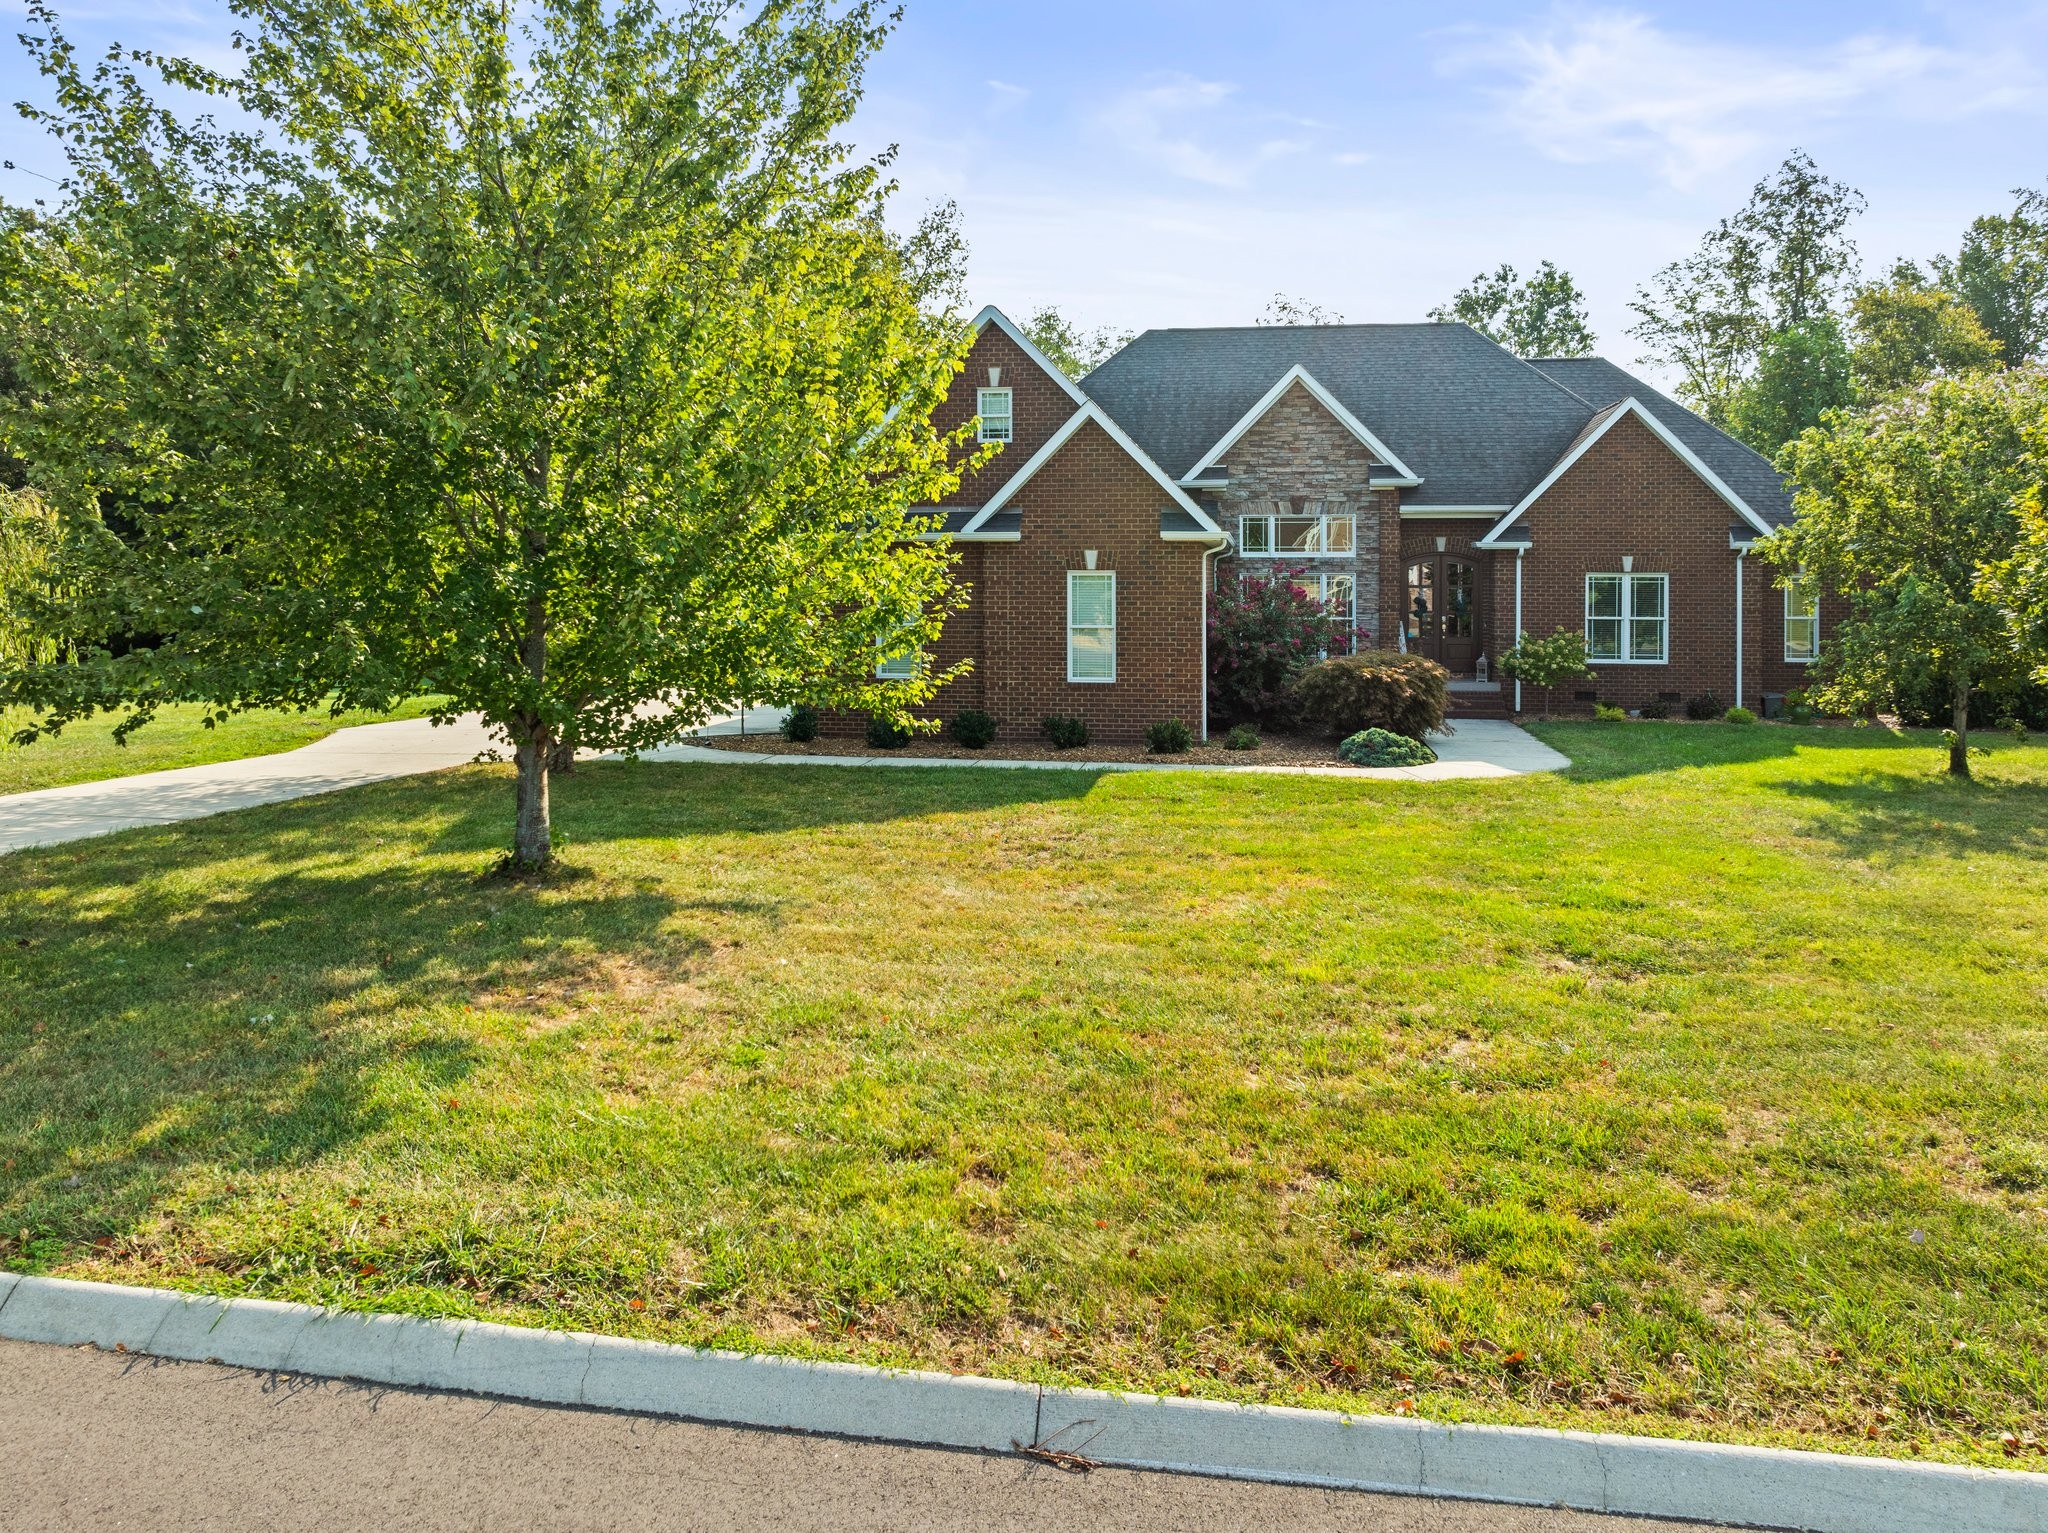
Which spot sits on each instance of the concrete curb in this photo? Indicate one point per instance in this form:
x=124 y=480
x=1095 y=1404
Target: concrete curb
x=1745 y=1487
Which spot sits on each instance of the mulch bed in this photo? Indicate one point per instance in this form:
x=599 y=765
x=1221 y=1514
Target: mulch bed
x=1273 y=750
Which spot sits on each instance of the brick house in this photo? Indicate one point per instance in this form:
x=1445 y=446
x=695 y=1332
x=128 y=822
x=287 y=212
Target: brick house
x=1437 y=492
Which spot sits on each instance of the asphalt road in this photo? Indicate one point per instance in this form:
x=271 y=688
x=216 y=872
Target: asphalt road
x=90 y=1440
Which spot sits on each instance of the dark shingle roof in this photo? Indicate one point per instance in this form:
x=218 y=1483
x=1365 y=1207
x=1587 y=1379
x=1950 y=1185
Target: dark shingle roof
x=1744 y=470
x=1478 y=425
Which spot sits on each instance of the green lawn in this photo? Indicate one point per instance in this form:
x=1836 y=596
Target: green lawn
x=176 y=737
x=1700 y=1091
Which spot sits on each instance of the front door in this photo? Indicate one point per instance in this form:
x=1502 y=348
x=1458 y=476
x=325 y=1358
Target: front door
x=1443 y=612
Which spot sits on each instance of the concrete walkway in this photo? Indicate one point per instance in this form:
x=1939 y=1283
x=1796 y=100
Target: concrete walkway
x=1480 y=748
x=94 y=1441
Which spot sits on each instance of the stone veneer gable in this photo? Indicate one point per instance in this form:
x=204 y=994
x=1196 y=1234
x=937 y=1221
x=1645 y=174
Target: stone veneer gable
x=1299 y=452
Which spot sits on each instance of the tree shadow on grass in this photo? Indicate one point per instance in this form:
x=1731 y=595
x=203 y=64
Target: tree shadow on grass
x=1612 y=752
x=262 y=991
x=1879 y=816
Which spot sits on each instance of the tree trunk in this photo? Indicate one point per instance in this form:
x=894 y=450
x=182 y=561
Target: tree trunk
x=562 y=758
x=1959 y=738
x=533 y=840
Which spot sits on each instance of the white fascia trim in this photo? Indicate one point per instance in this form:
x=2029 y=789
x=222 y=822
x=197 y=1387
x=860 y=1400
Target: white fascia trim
x=1091 y=411
x=995 y=316
x=1403 y=476
x=1424 y=513
x=970 y=537
x=1629 y=406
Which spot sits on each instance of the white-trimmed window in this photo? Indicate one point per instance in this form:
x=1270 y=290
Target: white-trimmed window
x=1802 y=623
x=1289 y=534
x=993 y=406
x=1628 y=619
x=1091 y=625
x=1337 y=593
x=897 y=667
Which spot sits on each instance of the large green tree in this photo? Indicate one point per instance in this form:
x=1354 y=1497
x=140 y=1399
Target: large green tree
x=2019 y=584
x=1801 y=373
x=1543 y=315
x=557 y=361
x=2002 y=273
x=1781 y=262
x=1903 y=510
x=1910 y=328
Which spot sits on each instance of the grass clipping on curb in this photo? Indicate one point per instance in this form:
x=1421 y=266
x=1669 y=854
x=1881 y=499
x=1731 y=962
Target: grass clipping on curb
x=1696 y=1091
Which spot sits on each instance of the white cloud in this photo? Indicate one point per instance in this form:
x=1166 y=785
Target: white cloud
x=1160 y=121
x=1005 y=97
x=1609 y=84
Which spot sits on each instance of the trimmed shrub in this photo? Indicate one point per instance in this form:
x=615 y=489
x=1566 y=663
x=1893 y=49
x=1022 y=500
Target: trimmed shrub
x=1385 y=748
x=1242 y=737
x=1705 y=706
x=974 y=729
x=886 y=734
x=1738 y=716
x=800 y=723
x=1610 y=713
x=1263 y=630
x=1375 y=690
x=1065 y=732
x=1169 y=737
x=1654 y=710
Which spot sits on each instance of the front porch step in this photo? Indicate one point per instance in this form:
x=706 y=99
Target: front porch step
x=1477 y=700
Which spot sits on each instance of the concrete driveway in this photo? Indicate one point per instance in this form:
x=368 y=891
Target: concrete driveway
x=90 y=1440
x=345 y=759
x=369 y=753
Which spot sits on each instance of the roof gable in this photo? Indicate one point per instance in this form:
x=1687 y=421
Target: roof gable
x=1741 y=467
x=1090 y=411
x=1400 y=473
x=995 y=316
x=1604 y=421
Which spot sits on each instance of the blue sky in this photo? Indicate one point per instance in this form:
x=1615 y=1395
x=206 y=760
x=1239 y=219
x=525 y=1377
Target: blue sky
x=1147 y=164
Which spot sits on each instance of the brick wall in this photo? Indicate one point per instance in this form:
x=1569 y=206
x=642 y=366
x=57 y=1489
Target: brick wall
x=1092 y=495
x=1297 y=453
x=1631 y=495
x=1039 y=404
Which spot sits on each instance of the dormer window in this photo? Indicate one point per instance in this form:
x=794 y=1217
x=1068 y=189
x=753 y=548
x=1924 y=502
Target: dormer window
x=993 y=406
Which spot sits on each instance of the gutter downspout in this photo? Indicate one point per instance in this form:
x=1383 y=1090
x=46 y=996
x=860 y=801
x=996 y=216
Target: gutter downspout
x=1518 y=621
x=1208 y=590
x=1738 y=627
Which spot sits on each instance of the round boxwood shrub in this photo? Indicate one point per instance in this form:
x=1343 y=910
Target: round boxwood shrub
x=800 y=723
x=1376 y=689
x=887 y=734
x=1656 y=708
x=1242 y=737
x=1702 y=708
x=1738 y=716
x=1066 y=732
x=974 y=729
x=1385 y=748
x=1169 y=737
